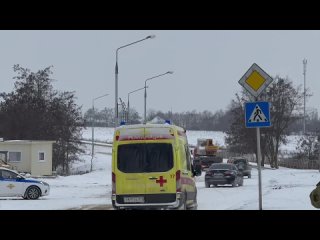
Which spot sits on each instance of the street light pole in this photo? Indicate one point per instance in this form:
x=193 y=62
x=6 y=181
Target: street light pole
x=128 y=114
x=145 y=93
x=116 y=117
x=93 y=121
x=304 y=95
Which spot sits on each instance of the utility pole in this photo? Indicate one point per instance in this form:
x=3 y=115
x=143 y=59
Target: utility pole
x=145 y=93
x=123 y=106
x=116 y=113
x=93 y=124
x=304 y=95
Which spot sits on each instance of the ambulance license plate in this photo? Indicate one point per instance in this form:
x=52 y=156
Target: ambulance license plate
x=133 y=199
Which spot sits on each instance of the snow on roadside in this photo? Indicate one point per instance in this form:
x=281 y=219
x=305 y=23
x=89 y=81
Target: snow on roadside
x=282 y=189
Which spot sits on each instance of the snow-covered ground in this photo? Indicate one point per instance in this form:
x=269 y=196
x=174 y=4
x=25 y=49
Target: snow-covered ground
x=101 y=134
x=290 y=147
x=284 y=188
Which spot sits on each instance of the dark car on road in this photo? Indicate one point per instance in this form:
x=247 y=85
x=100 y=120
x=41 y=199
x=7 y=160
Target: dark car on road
x=242 y=164
x=223 y=173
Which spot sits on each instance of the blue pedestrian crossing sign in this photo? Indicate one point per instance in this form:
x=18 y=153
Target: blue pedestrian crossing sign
x=257 y=114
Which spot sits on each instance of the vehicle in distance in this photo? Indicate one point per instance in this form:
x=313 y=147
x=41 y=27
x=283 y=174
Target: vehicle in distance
x=223 y=173
x=242 y=164
x=205 y=153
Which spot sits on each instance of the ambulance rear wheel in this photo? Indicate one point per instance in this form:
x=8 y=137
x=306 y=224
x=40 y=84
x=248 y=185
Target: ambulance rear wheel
x=183 y=206
x=194 y=204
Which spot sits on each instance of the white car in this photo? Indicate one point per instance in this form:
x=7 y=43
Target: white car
x=13 y=184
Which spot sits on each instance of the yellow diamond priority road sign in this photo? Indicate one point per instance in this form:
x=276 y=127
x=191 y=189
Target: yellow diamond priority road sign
x=255 y=80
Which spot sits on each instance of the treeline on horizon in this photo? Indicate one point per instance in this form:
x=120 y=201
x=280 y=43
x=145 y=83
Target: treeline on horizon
x=206 y=120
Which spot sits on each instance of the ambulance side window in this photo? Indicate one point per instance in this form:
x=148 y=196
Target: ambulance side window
x=183 y=157
x=188 y=157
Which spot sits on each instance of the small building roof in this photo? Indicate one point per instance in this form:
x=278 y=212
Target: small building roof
x=26 y=141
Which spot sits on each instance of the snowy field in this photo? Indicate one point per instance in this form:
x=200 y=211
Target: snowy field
x=100 y=134
x=283 y=189
x=106 y=135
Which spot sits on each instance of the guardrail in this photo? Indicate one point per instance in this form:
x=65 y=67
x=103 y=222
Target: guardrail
x=97 y=143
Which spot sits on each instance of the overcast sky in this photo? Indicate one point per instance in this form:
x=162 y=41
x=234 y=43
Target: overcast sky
x=207 y=65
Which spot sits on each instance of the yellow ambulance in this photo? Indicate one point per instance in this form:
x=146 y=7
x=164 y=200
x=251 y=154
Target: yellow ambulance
x=151 y=168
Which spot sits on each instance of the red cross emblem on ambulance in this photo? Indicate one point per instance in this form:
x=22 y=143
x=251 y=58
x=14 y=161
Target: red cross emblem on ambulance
x=161 y=181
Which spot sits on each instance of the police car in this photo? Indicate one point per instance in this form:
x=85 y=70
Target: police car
x=13 y=184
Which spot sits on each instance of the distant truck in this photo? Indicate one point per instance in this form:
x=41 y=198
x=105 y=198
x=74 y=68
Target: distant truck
x=205 y=153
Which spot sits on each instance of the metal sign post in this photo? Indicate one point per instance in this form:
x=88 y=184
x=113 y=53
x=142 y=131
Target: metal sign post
x=259 y=167
x=257 y=114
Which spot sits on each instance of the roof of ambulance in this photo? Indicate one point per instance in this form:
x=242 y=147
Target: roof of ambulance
x=150 y=125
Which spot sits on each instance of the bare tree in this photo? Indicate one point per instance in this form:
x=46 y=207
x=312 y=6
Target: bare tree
x=285 y=101
x=35 y=111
